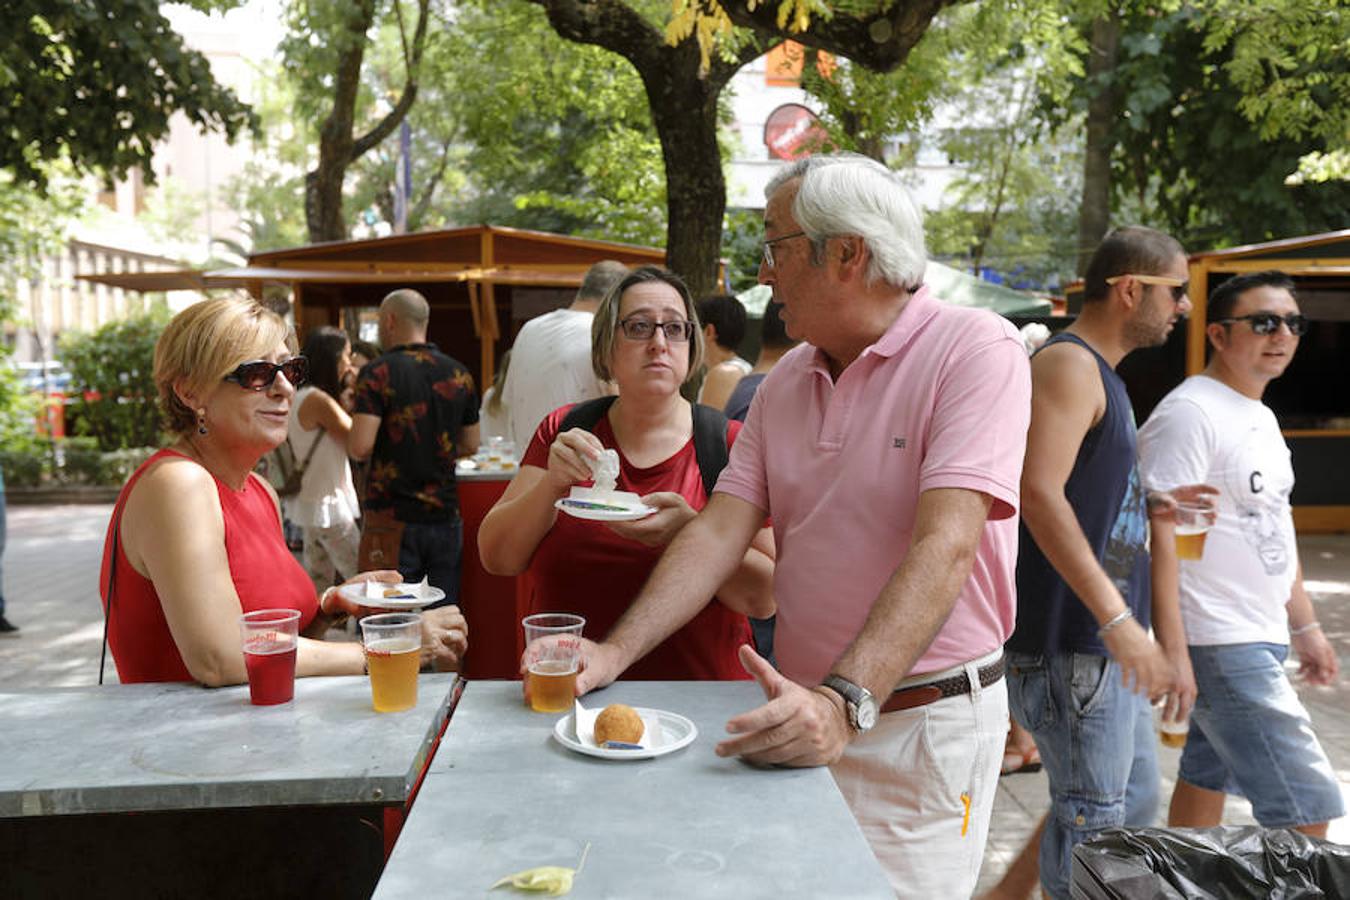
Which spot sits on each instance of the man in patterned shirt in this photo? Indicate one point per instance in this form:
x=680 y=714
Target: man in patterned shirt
x=416 y=412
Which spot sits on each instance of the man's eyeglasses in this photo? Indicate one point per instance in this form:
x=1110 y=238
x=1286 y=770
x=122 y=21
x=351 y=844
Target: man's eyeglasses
x=1179 y=286
x=639 y=329
x=259 y=374
x=1269 y=323
x=768 y=245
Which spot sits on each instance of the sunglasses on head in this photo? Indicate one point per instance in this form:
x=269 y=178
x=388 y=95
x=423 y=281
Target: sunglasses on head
x=1179 y=286
x=1269 y=323
x=259 y=374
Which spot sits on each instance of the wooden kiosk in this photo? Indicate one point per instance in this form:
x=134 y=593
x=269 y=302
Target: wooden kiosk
x=1312 y=398
x=483 y=281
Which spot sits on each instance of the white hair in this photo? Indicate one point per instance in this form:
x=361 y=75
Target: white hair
x=845 y=194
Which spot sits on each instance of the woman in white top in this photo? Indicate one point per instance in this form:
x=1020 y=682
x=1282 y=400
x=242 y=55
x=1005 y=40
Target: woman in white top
x=326 y=507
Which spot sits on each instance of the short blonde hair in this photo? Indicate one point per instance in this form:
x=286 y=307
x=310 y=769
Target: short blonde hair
x=605 y=328
x=204 y=343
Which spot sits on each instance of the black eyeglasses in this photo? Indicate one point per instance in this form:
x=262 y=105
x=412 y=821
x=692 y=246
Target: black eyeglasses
x=768 y=245
x=1269 y=323
x=636 y=328
x=259 y=374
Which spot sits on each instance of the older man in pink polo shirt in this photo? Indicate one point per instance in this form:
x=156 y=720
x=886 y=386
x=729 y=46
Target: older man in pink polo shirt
x=888 y=451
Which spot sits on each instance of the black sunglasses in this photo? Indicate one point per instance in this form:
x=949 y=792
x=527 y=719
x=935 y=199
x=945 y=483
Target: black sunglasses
x=1269 y=323
x=259 y=374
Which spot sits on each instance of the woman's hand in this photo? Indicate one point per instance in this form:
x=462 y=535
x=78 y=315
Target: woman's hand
x=660 y=528
x=331 y=601
x=445 y=638
x=569 y=458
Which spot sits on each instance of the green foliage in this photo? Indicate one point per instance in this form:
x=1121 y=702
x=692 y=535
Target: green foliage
x=743 y=247
x=1190 y=159
x=559 y=134
x=33 y=225
x=112 y=377
x=96 y=82
x=85 y=463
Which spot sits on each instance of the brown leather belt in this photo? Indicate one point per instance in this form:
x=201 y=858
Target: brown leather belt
x=956 y=686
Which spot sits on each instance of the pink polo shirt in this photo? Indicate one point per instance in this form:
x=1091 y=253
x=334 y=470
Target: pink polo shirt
x=942 y=400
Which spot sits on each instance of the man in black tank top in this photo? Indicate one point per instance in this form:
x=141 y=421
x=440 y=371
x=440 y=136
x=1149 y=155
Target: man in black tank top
x=1082 y=666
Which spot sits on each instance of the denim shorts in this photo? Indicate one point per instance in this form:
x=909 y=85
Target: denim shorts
x=1096 y=740
x=1251 y=736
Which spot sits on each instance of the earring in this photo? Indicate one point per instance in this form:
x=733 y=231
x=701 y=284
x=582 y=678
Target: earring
x=201 y=421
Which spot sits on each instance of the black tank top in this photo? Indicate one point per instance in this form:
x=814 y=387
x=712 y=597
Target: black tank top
x=1106 y=495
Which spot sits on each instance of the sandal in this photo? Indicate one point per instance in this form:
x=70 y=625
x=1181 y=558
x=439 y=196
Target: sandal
x=1015 y=761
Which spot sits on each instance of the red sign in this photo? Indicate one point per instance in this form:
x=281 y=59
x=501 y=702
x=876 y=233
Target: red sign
x=793 y=131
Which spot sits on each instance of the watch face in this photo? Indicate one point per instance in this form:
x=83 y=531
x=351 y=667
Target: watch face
x=867 y=714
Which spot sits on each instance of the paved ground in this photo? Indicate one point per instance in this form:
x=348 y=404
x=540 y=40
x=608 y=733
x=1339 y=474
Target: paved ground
x=51 y=589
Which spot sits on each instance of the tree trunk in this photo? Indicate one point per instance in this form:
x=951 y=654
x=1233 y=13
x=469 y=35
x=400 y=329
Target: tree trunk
x=338 y=146
x=323 y=186
x=685 y=116
x=1094 y=216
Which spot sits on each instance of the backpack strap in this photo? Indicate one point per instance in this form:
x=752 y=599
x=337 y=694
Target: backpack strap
x=312 y=447
x=710 y=444
x=586 y=414
x=710 y=434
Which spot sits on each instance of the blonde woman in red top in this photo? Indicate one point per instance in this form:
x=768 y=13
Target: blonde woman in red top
x=196 y=535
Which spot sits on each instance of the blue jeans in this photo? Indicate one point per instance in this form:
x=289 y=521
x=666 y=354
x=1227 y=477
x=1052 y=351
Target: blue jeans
x=1251 y=736
x=1097 y=743
x=432 y=550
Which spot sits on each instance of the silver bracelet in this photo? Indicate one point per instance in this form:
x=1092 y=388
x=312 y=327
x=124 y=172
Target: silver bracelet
x=1304 y=629
x=1114 y=621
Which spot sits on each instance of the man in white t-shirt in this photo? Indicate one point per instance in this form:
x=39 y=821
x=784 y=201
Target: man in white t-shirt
x=1244 y=600
x=551 y=357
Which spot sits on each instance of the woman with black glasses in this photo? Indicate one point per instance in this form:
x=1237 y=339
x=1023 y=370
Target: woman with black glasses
x=195 y=538
x=645 y=339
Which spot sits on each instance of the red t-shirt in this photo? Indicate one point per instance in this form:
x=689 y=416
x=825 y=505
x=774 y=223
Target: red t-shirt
x=265 y=576
x=585 y=568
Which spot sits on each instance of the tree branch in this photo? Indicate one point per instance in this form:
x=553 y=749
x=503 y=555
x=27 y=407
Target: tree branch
x=879 y=41
x=385 y=126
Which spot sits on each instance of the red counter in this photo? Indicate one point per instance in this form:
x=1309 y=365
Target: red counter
x=490 y=602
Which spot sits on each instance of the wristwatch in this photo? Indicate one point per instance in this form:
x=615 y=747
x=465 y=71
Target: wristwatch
x=858 y=700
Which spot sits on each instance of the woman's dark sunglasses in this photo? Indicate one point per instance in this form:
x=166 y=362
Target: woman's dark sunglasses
x=259 y=374
x=1269 y=323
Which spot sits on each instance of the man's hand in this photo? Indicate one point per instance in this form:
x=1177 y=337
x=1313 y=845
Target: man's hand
x=660 y=528
x=1144 y=668
x=598 y=667
x=1181 y=695
x=797 y=727
x=445 y=638
x=1163 y=504
x=1317 y=658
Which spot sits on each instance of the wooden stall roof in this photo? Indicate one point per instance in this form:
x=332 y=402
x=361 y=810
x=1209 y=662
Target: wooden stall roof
x=474 y=245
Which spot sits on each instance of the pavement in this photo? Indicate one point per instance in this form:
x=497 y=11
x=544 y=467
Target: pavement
x=51 y=570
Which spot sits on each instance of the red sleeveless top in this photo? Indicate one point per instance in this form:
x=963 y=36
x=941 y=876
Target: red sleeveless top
x=265 y=576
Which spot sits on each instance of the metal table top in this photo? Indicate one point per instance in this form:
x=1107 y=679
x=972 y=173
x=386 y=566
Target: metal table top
x=144 y=747
x=502 y=795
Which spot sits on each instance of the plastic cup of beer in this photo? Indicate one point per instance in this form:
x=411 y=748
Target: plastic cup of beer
x=269 y=637
x=1171 y=733
x=393 y=644
x=1193 y=523
x=552 y=657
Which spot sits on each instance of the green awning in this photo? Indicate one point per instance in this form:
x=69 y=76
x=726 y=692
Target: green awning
x=951 y=285
x=963 y=289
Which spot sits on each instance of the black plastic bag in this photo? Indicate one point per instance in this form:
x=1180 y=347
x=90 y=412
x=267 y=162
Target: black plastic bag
x=1225 y=863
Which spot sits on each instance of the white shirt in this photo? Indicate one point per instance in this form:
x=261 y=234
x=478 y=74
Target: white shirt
x=1206 y=432
x=327 y=495
x=550 y=367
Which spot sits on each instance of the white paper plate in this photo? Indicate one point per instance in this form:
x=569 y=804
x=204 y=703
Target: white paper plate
x=356 y=593
x=674 y=732
x=618 y=512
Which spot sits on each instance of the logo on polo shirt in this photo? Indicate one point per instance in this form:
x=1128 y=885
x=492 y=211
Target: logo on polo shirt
x=898 y=443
